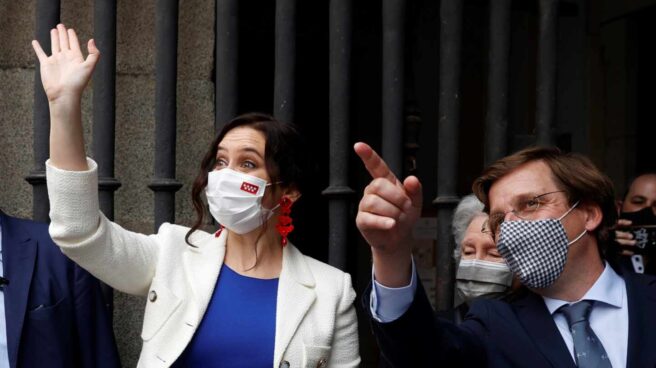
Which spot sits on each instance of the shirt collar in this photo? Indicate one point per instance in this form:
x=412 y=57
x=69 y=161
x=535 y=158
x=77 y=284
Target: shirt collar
x=608 y=289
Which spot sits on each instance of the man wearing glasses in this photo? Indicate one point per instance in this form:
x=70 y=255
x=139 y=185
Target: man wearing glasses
x=550 y=215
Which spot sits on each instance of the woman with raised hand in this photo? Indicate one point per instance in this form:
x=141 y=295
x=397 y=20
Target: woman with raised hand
x=242 y=297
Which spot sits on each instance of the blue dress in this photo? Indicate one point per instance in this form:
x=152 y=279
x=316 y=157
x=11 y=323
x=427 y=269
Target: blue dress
x=239 y=326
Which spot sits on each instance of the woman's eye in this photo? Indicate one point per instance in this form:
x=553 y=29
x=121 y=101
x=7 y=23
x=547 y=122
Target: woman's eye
x=220 y=163
x=248 y=165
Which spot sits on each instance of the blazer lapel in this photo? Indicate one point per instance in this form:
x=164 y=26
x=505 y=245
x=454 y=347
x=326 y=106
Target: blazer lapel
x=18 y=258
x=295 y=296
x=202 y=265
x=641 y=295
x=540 y=326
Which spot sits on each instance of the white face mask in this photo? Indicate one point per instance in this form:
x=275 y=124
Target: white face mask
x=235 y=200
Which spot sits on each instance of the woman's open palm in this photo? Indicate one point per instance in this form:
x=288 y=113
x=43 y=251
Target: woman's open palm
x=65 y=73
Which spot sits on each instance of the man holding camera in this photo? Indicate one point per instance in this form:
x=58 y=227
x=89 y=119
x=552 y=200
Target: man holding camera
x=636 y=228
x=551 y=214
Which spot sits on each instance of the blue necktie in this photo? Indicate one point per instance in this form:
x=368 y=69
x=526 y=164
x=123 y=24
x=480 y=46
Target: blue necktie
x=588 y=350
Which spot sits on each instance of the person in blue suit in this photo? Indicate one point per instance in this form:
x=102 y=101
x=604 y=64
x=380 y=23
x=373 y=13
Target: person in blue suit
x=550 y=214
x=52 y=312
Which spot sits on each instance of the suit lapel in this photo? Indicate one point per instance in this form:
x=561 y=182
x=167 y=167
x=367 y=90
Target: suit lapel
x=540 y=326
x=18 y=258
x=295 y=296
x=202 y=265
x=641 y=295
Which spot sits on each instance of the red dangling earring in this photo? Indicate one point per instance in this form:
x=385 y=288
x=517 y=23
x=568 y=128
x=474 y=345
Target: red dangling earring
x=284 y=225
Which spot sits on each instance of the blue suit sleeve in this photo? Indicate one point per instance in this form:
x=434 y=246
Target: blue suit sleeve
x=419 y=339
x=97 y=347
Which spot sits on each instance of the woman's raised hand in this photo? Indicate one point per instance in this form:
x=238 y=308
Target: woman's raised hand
x=65 y=73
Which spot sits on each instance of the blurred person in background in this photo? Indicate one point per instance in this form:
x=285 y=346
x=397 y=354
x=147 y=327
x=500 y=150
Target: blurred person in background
x=481 y=272
x=636 y=228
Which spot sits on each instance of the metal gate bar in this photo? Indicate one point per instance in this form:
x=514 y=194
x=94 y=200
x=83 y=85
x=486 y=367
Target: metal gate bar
x=166 y=66
x=447 y=145
x=496 y=125
x=546 y=78
x=47 y=18
x=284 y=95
x=338 y=191
x=226 y=62
x=393 y=83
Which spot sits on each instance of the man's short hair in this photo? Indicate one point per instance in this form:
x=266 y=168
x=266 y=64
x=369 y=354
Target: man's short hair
x=573 y=173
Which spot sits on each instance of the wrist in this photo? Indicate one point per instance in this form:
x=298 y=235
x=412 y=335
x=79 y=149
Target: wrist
x=65 y=101
x=392 y=269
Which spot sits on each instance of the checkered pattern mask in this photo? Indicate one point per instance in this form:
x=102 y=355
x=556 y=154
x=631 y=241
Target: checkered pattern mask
x=536 y=251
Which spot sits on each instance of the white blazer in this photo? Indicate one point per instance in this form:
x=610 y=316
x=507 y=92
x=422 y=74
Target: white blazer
x=316 y=325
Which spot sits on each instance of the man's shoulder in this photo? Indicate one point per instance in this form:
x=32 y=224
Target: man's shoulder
x=26 y=228
x=640 y=281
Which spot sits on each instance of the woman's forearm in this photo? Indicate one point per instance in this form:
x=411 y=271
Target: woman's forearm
x=66 y=136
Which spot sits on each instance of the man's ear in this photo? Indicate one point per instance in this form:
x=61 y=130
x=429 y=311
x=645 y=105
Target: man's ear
x=593 y=216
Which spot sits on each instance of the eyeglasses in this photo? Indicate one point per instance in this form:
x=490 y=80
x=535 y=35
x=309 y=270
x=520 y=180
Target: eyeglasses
x=525 y=210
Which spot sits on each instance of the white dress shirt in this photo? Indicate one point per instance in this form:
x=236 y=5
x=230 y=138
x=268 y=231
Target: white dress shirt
x=609 y=318
x=4 y=353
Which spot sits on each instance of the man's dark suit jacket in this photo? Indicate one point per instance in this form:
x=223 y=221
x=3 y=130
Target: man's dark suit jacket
x=54 y=309
x=521 y=333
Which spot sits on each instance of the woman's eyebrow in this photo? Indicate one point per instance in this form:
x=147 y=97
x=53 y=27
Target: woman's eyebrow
x=243 y=149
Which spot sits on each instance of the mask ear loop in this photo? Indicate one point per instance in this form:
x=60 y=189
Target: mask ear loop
x=567 y=213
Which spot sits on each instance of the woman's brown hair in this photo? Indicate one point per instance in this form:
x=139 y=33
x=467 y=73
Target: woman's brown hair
x=284 y=155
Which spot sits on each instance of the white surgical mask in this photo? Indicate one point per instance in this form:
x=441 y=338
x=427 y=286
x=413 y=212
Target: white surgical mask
x=235 y=200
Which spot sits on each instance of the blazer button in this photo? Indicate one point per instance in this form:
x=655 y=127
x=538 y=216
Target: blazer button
x=152 y=296
x=322 y=363
x=284 y=364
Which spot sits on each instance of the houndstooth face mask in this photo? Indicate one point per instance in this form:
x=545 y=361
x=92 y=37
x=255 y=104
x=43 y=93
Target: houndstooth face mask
x=536 y=251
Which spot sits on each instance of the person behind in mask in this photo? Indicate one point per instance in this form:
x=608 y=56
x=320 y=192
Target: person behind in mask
x=481 y=272
x=241 y=297
x=638 y=217
x=550 y=215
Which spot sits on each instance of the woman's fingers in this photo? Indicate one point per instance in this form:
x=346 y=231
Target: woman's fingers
x=73 y=42
x=39 y=51
x=94 y=53
x=63 y=38
x=54 y=41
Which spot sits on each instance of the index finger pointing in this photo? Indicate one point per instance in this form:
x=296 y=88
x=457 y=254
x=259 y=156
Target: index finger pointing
x=375 y=165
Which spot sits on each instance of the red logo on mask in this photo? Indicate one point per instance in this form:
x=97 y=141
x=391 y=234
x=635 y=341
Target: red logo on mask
x=249 y=188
